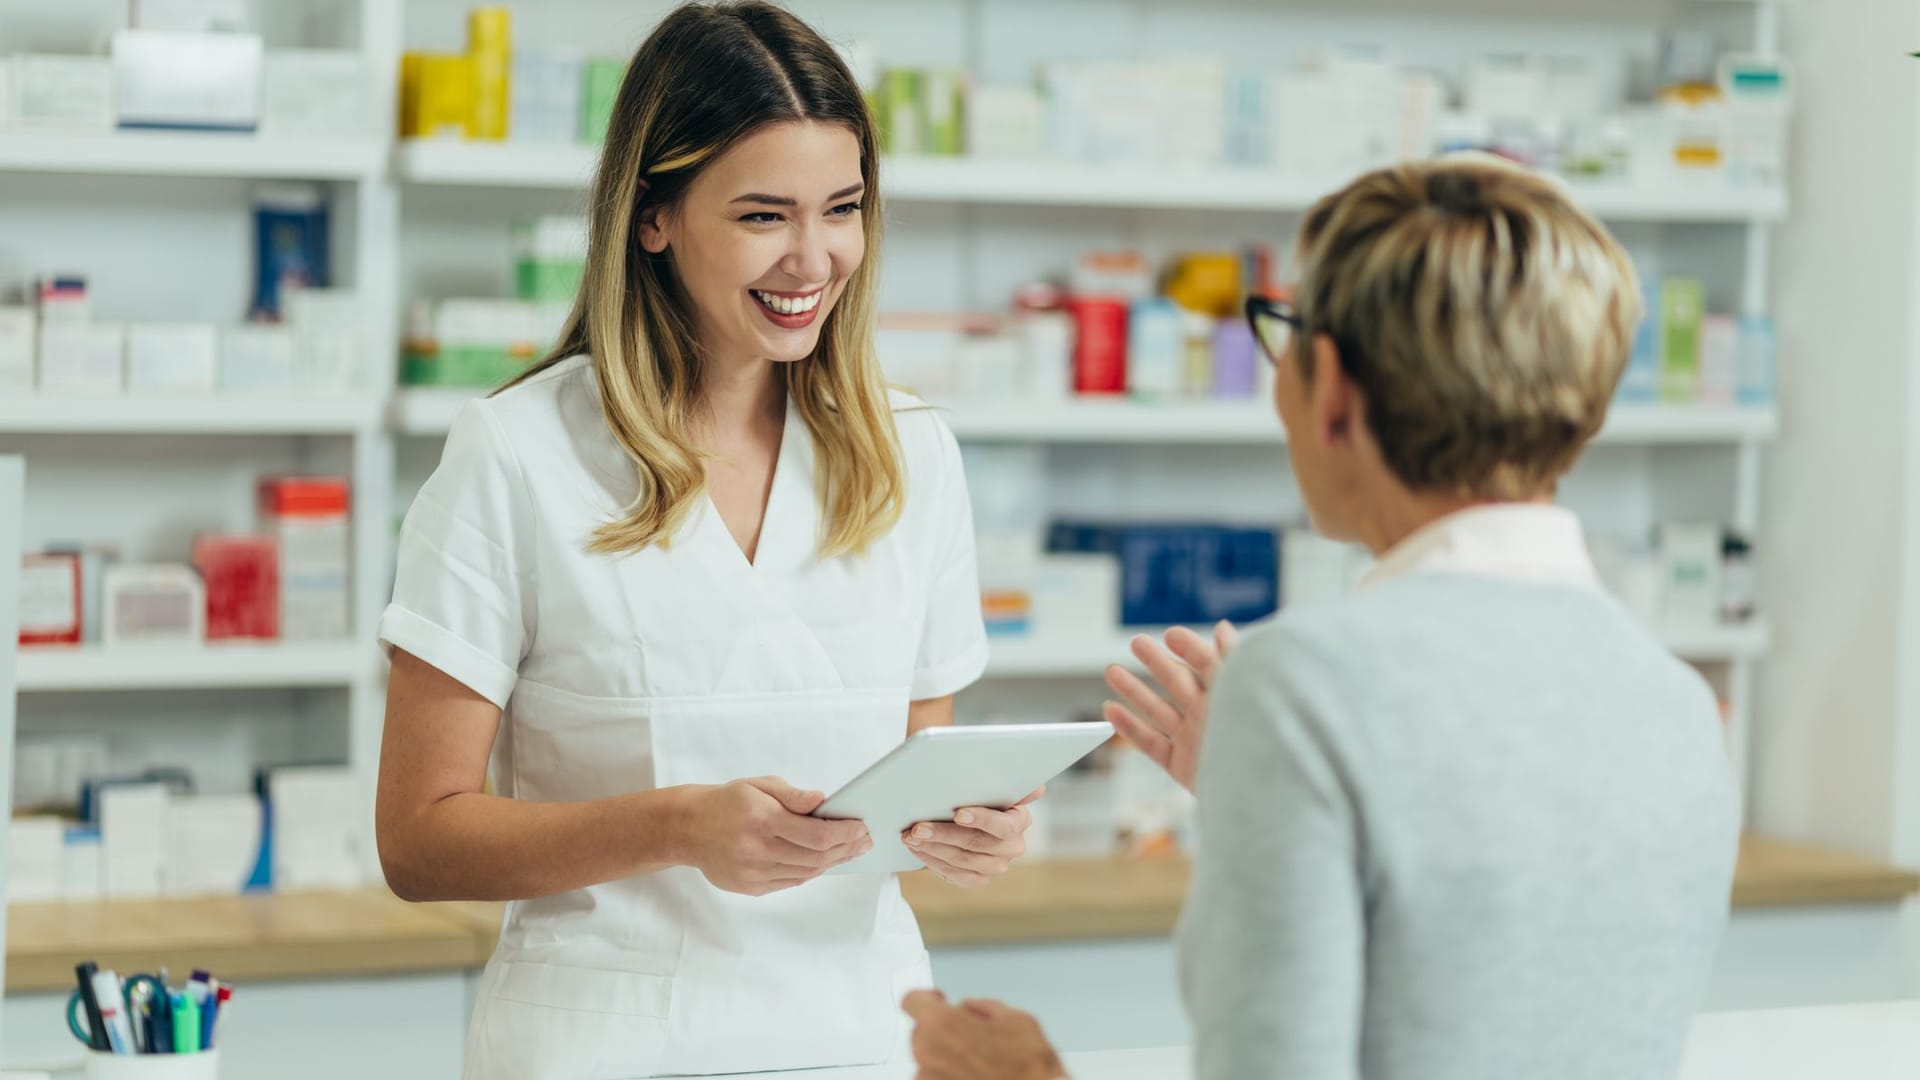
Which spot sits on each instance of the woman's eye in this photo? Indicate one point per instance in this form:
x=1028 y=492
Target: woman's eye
x=761 y=218
x=845 y=210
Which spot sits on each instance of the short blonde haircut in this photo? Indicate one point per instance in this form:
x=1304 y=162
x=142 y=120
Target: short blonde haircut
x=1484 y=317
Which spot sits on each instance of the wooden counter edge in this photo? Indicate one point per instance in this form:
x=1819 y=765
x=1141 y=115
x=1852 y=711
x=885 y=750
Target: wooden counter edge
x=1065 y=900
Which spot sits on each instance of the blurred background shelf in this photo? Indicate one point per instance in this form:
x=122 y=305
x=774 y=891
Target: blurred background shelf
x=429 y=411
x=1013 y=656
x=211 y=667
x=216 y=415
x=196 y=154
x=917 y=179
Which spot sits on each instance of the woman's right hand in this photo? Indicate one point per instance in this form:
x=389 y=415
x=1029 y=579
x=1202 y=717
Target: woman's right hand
x=1170 y=725
x=754 y=837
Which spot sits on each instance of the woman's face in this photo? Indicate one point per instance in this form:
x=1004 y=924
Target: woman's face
x=766 y=238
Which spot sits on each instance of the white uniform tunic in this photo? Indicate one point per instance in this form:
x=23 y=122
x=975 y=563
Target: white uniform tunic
x=683 y=665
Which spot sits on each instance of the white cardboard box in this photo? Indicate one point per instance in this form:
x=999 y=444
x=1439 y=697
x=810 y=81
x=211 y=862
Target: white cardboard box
x=171 y=357
x=18 y=334
x=36 y=859
x=170 y=79
x=315 y=92
x=73 y=93
x=316 y=815
x=133 y=833
x=256 y=357
x=82 y=358
x=213 y=843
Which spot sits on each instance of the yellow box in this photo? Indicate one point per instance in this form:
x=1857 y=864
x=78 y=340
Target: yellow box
x=436 y=95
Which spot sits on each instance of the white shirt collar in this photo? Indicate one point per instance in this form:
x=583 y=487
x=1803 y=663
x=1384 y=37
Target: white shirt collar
x=1527 y=542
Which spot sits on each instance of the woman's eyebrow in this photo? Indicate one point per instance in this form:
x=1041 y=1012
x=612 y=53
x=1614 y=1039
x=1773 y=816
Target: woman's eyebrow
x=782 y=200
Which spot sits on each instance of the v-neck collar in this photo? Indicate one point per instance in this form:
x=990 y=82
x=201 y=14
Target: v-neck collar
x=789 y=519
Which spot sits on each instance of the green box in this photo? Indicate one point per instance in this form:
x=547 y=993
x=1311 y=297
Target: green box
x=460 y=365
x=598 y=97
x=943 y=99
x=902 y=120
x=547 y=280
x=1683 y=306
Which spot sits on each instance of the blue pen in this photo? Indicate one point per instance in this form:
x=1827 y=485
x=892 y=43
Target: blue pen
x=208 y=1010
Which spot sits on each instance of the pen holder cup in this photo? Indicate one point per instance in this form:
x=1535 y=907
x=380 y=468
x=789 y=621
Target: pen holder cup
x=204 y=1065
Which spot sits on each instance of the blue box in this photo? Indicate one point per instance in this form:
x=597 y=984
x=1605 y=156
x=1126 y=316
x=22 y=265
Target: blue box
x=1183 y=574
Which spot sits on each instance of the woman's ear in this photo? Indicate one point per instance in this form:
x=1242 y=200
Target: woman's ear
x=1335 y=400
x=654 y=222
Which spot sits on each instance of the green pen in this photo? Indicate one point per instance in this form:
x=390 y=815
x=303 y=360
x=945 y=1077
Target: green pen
x=186 y=1024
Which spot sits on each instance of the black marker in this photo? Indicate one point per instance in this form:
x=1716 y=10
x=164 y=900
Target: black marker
x=96 y=1024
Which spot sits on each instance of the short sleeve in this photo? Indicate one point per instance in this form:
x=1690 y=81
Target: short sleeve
x=463 y=582
x=953 y=637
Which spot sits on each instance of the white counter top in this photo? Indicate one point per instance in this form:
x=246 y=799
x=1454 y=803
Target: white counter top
x=1164 y=1063
x=1859 y=1042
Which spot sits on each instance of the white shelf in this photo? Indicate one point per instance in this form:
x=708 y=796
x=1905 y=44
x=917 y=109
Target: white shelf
x=1041 y=657
x=429 y=411
x=157 y=667
x=187 y=153
x=1054 y=183
x=457 y=163
x=212 y=415
x=1049 y=183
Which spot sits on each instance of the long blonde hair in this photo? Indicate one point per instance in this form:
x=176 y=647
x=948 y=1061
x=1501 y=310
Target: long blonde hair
x=708 y=76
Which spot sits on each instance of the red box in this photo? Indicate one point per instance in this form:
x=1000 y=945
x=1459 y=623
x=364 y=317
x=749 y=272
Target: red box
x=242 y=576
x=1100 y=346
x=50 y=600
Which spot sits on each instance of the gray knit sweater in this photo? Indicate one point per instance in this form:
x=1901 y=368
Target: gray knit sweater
x=1455 y=827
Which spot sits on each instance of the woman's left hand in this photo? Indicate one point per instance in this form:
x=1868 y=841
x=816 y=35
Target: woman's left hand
x=977 y=1040
x=977 y=847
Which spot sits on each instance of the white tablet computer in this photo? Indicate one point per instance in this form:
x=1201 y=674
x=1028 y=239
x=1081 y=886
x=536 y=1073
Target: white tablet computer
x=940 y=770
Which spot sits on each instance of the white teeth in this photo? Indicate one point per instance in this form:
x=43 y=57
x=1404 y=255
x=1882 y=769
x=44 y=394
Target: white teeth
x=785 y=305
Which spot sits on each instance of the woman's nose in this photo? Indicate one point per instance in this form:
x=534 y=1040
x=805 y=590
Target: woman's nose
x=809 y=259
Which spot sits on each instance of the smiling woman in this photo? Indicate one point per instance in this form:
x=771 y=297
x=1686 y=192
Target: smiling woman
x=695 y=568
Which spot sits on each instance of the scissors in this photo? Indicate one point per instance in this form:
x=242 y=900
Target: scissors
x=148 y=1015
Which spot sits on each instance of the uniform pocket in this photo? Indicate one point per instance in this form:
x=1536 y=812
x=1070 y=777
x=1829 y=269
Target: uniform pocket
x=556 y=1022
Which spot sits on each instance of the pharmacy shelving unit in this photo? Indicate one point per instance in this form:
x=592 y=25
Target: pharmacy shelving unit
x=1039 y=657
x=430 y=411
x=213 y=156
x=452 y=163
x=953 y=188
x=365 y=207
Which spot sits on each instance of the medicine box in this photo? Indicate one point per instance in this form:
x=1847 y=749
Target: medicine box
x=315 y=92
x=308 y=517
x=547 y=90
x=1183 y=574
x=69 y=93
x=1683 y=303
x=256 y=358
x=170 y=79
x=242 y=579
x=36 y=859
x=17 y=333
x=153 y=604
x=550 y=257
x=82 y=358
x=172 y=357
x=50 y=600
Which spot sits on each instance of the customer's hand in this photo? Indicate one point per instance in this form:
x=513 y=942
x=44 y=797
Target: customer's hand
x=1168 y=725
x=754 y=836
x=979 y=845
x=977 y=1040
